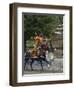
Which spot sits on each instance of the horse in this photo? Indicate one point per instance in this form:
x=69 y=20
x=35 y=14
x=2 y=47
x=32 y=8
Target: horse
x=38 y=55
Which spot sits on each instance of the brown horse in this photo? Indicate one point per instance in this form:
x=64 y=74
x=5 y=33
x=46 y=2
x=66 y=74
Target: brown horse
x=38 y=55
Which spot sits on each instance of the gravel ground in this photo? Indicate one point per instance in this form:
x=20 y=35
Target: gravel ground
x=55 y=67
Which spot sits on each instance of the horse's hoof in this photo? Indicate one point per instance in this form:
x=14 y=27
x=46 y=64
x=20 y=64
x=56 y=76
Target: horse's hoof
x=41 y=70
x=31 y=69
x=48 y=65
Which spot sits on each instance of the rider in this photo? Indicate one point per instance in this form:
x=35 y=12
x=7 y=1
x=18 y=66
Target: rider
x=38 y=39
x=34 y=53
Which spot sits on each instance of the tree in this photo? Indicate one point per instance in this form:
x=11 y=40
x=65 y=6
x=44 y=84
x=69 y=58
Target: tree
x=45 y=24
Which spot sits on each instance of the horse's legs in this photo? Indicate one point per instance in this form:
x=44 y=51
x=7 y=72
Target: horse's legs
x=41 y=64
x=47 y=63
x=45 y=60
x=31 y=64
x=26 y=60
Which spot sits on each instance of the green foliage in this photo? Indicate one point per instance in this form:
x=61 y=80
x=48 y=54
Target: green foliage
x=45 y=24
